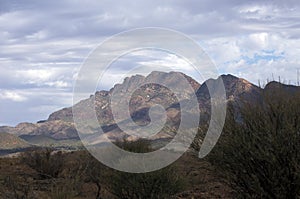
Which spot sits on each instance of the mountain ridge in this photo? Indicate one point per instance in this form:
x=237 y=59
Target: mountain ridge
x=59 y=124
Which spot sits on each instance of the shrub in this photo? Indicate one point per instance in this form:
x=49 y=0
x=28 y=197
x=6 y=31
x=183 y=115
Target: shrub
x=138 y=146
x=259 y=153
x=45 y=162
x=158 y=184
x=16 y=188
x=62 y=191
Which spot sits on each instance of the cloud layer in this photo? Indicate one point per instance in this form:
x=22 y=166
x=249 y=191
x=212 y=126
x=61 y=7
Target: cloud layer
x=43 y=44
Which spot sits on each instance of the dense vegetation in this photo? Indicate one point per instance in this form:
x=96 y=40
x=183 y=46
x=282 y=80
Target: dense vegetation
x=259 y=152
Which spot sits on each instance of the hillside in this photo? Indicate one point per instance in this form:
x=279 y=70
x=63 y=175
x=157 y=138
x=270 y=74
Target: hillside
x=55 y=129
x=9 y=141
x=45 y=141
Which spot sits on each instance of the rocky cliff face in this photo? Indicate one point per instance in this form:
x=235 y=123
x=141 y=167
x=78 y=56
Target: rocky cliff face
x=237 y=90
x=143 y=97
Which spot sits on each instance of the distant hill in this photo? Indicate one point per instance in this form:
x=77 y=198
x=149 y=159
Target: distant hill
x=57 y=129
x=45 y=141
x=9 y=141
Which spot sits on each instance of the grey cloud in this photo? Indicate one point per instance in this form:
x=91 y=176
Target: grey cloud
x=93 y=19
x=44 y=35
x=39 y=103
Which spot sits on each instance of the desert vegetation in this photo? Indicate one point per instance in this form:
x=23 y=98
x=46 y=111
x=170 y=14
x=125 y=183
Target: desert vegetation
x=258 y=153
x=45 y=173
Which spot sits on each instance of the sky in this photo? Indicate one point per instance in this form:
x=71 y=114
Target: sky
x=44 y=43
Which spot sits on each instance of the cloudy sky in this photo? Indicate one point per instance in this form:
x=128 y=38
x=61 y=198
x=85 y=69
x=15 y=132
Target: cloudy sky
x=44 y=43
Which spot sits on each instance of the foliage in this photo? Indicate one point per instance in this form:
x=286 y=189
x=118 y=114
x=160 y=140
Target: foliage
x=16 y=189
x=259 y=151
x=138 y=146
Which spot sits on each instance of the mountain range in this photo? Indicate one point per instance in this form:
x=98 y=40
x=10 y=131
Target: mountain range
x=60 y=128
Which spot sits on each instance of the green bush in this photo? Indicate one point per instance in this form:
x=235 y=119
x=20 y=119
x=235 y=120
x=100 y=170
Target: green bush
x=259 y=151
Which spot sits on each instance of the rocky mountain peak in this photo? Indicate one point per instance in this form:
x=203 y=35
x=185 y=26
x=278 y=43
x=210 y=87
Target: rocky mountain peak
x=158 y=77
x=236 y=89
x=129 y=83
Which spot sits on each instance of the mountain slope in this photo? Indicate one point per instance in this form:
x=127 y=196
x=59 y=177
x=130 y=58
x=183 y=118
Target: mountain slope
x=142 y=98
x=56 y=129
x=9 y=141
x=235 y=88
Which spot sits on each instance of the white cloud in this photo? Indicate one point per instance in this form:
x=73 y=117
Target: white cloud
x=58 y=84
x=31 y=105
x=12 y=95
x=35 y=75
x=258 y=56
